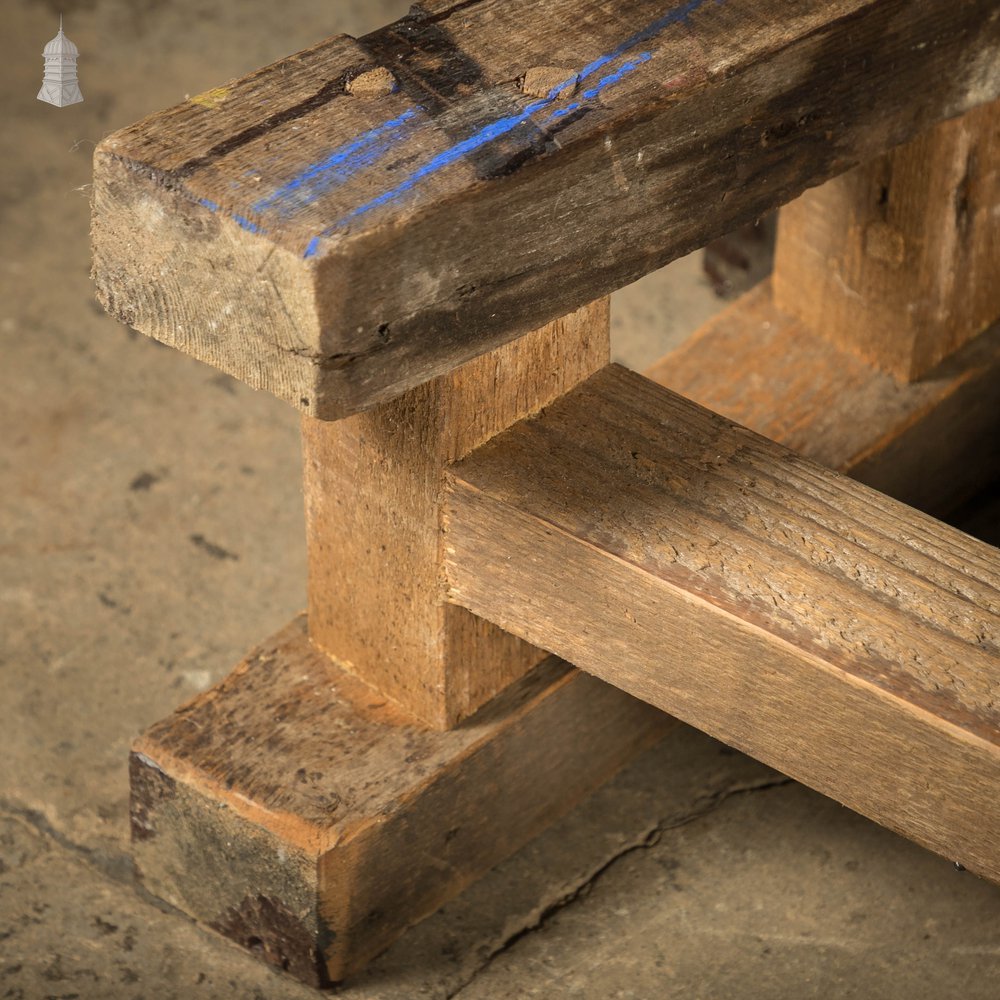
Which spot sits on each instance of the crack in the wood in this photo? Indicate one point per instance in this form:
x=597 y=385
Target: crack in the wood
x=648 y=838
x=335 y=361
x=330 y=90
x=443 y=15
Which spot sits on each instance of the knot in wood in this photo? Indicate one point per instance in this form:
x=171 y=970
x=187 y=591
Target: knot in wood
x=378 y=82
x=545 y=81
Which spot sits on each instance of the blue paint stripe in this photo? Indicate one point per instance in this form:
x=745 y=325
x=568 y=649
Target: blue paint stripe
x=366 y=149
x=478 y=139
x=506 y=125
x=619 y=74
x=335 y=168
x=247 y=224
x=242 y=220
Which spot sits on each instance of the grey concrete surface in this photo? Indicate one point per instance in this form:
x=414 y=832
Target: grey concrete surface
x=151 y=531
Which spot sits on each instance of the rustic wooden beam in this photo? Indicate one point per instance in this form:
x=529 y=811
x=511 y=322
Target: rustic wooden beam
x=210 y=817
x=373 y=485
x=296 y=812
x=899 y=260
x=930 y=444
x=326 y=242
x=816 y=624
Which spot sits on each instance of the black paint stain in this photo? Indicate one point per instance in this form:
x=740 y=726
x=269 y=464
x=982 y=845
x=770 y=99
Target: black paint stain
x=436 y=74
x=330 y=90
x=144 y=481
x=267 y=927
x=210 y=548
x=536 y=143
x=432 y=70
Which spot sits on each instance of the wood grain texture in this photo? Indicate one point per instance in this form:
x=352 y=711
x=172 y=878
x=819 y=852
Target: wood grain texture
x=833 y=633
x=339 y=250
x=899 y=260
x=288 y=810
x=931 y=444
x=373 y=486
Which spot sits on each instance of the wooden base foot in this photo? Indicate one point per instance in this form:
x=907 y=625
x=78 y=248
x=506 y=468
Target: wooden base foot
x=293 y=810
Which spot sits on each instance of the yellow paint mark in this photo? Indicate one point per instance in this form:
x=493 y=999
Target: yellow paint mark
x=211 y=98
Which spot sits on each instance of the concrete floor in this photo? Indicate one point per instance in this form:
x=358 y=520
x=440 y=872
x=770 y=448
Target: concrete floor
x=696 y=873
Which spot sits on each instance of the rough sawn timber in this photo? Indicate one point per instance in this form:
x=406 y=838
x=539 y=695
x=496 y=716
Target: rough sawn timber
x=293 y=810
x=373 y=487
x=338 y=250
x=832 y=632
x=899 y=260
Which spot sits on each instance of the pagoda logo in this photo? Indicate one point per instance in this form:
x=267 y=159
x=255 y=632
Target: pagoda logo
x=60 y=86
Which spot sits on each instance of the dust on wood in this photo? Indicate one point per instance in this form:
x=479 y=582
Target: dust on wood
x=312 y=823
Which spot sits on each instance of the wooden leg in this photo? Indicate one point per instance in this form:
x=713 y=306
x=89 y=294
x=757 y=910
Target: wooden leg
x=870 y=350
x=899 y=260
x=373 y=484
x=303 y=807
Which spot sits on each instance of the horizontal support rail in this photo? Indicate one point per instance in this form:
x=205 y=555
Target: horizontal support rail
x=337 y=235
x=808 y=620
x=930 y=444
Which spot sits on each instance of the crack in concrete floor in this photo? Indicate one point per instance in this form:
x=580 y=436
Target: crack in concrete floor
x=642 y=841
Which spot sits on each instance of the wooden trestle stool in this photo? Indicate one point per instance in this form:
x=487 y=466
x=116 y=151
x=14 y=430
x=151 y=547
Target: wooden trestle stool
x=411 y=237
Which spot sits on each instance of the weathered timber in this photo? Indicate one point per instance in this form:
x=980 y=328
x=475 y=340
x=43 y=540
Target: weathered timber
x=899 y=260
x=294 y=811
x=816 y=624
x=373 y=485
x=931 y=444
x=338 y=250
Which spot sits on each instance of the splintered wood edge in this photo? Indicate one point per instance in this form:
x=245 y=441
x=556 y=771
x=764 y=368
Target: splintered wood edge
x=409 y=287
